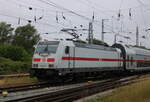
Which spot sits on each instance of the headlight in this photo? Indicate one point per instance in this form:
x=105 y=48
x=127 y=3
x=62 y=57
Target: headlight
x=35 y=65
x=51 y=65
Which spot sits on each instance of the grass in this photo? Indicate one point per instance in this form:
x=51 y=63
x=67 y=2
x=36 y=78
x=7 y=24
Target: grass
x=137 y=92
x=16 y=81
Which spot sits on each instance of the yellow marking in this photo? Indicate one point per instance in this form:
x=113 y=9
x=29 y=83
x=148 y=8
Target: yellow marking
x=90 y=82
x=5 y=93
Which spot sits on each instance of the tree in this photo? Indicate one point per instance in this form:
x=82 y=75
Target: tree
x=14 y=53
x=26 y=36
x=5 y=32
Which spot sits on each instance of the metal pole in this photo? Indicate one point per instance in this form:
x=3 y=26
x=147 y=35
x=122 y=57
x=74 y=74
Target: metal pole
x=102 y=37
x=115 y=39
x=137 y=36
x=90 y=37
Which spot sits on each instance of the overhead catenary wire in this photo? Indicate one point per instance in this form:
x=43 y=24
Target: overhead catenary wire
x=62 y=8
x=97 y=9
x=90 y=3
x=69 y=21
x=28 y=20
x=32 y=21
x=35 y=8
x=121 y=3
x=93 y=6
x=68 y=11
x=25 y=19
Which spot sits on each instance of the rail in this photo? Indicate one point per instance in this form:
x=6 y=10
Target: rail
x=15 y=75
x=77 y=92
x=24 y=87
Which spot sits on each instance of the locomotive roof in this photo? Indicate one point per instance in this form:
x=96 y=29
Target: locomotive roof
x=93 y=46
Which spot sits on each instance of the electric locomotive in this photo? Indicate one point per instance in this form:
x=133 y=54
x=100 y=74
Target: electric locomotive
x=66 y=57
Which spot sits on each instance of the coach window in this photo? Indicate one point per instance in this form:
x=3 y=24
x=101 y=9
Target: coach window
x=128 y=61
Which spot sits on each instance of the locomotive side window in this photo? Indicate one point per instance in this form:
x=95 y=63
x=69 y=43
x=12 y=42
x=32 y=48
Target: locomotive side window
x=67 y=50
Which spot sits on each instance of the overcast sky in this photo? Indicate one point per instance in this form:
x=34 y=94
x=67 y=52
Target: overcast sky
x=18 y=12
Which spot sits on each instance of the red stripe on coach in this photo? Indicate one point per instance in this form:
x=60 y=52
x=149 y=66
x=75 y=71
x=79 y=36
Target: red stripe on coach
x=140 y=61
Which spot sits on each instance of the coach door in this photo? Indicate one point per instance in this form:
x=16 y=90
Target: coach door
x=127 y=62
x=71 y=56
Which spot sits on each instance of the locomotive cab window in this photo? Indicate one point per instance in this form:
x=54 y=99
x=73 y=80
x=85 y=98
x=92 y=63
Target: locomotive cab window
x=47 y=47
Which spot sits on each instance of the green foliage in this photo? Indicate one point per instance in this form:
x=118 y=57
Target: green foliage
x=8 y=66
x=98 y=42
x=26 y=36
x=5 y=32
x=14 y=53
x=81 y=41
x=16 y=57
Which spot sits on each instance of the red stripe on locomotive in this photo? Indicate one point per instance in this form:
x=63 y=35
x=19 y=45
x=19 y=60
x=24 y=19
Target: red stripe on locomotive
x=50 y=60
x=36 y=59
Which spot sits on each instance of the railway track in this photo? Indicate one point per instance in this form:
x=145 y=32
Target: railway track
x=33 y=86
x=74 y=92
x=15 y=75
x=24 y=87
x=20 y=87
